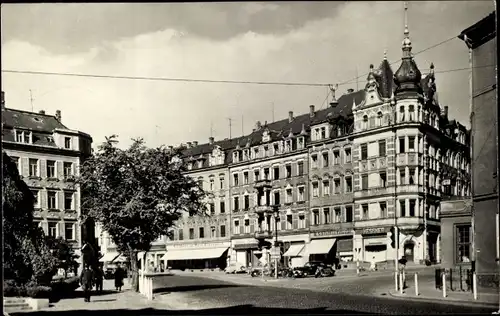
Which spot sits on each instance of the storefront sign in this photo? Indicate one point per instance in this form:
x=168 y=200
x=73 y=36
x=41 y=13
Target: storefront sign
x=374 y=230
x=330 y=233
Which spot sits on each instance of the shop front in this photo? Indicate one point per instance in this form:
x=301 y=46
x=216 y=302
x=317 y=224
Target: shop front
x=376 y=244
x=294 y=250
x=197 y=256
x=331 y=246
x=245 y=253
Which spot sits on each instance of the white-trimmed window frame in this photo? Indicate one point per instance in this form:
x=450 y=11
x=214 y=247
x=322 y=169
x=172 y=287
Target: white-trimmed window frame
x=315 y=190
x=56 y=199
x=301 y=197
x=73 y=233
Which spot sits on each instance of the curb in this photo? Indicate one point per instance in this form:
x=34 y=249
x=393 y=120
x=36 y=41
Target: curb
x=441 y=301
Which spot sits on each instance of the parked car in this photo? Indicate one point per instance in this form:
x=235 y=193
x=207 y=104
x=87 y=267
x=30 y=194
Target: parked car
x=234 y=268
x=313 y=267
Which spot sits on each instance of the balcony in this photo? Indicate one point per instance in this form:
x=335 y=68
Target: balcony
x=263 y=209
x=412 y=159
x=376 y=222
x=373 y=192
x=410 y=188
x=373 y=164
x=263 y=183
x=263 y=234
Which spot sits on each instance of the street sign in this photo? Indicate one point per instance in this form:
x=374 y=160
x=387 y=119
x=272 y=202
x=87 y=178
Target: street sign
x=275 y=257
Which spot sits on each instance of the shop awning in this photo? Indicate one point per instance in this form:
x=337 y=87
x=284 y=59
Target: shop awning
x=190 y=254
x=246 y=246
x=120 y=258
x=321 y=246
x=109 y=256
x=294 y=251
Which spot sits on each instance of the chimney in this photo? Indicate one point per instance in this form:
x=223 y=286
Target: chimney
x=189 y=145
x=258 y=125
x=211 y=140
x=58 y=115
x=41 y=112
x=3 y=100
x=195 y=143
x=350 y=90
x=290 y=116
x=311 y=110
x=170 y=148
x=445 y=111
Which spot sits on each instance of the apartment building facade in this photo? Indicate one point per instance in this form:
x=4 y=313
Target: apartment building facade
x=48 y=156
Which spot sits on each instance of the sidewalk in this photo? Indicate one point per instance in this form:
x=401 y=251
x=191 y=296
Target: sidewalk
x=428 y=292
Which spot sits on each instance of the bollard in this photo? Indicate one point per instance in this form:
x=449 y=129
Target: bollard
x=401 y=283
x=416 y=284
x=444 y=283
x=474 y=284
x=396 y=281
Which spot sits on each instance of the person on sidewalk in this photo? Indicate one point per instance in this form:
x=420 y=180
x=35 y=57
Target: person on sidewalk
x=119 y=276
x=373 y=265
x=99 y=276
x=402 y=269
x=86 y=279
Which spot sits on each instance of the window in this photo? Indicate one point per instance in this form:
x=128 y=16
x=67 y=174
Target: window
x=401 y=113
x=68 y=169
x=379 y=118
x=266 y=151
x=200 y=163
x=235 y=179
x=276 y=173
x=302 y=221
x=463 y=240
x=314 y=161
x=276 y=148
x=402 y=177
x=246 y=227
x=276 y=197
x=323 y=133
x=53 y=229
x=33 y=167
x=289 y=222
x=364 y=209
x=236 y=204
x=326 y=187
x=336 y=183
x=347 y=155
x=201 y=232
x=383 y=179
x=212 y=208
x=365 y=121
x=401 y=144
x=338 y=215
x=19 y=136
x=364 y=182
x=67 y=142
x=300 y=195
x=326 y=215
x=181 y=234
x=336 y=157
x=289 y=196
x=402 y=205
x=221 y=183
x=69 y=231
x=256 y=152
x=300 y=143
x=223 y=230
x=411 y=143
x=315 y=217
x=191 y=233
x=364 y=151
x=325 y=159
x=348 y=184
x=246 y=202
x=51 y=169
x=16 y=161
x=288 y=171
x=68 y=200
x=256 y=174
x=412 y=208
x=212 y=184
x=36 y=199
x=381 y=148
x=315 y=189
x=200 y=182
x=52 y=200
x=300 y=168
x=349 y=215
x=266 y=174
x=413 y=176
x=213 y=233
x=222 y=207
x=411 y=112
x=383 y=209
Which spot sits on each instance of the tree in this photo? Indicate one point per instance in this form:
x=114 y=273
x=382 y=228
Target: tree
x=136 y=194
x=64 y=253
x=26 y=257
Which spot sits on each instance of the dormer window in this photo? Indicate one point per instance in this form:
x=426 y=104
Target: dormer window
x=300 y=143
x=256 y=152
x=67 y=142
x=365 y=122
x=235 y=156
x=288 y=145
x=23 y=137
x=200 y=163
x=266 y=151
x=190 y=166
x=380 y=118
x=323 y=132
x=245 y=154
x=276 y=148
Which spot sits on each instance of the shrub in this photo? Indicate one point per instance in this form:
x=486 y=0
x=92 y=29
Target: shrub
x=13 y=290
x=39 y=291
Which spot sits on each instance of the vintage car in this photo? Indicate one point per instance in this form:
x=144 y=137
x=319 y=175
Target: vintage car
x=316 y=268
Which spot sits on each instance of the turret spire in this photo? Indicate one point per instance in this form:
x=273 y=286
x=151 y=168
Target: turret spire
x=406 y=40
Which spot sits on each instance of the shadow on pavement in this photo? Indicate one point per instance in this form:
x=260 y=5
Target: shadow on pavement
x=78 y=294
x=234 y=310
x=187 y=288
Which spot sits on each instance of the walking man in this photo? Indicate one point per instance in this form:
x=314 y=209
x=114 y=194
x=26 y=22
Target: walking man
x=86 y=279
x=99 y=276
x=119 y=276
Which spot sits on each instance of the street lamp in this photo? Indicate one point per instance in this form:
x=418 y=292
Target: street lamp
x=276 y=214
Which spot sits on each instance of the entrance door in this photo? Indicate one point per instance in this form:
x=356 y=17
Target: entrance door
x=409 y=247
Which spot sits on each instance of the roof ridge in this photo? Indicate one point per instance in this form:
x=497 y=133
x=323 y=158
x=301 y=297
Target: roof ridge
x=29 y=112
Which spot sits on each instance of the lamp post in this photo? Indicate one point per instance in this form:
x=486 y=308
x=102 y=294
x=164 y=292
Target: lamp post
x=276 y=217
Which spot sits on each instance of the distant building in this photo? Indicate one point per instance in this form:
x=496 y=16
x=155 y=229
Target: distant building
x=481 y=39
x=48 y=156
x=455 y=231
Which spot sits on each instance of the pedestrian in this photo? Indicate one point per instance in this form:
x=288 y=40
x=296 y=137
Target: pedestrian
x=119 y=276
x=373 y=265
x=86 y=279
x=402 y=269
x=99 y=276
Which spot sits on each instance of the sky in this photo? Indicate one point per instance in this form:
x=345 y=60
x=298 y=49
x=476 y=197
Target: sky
x=306 y=42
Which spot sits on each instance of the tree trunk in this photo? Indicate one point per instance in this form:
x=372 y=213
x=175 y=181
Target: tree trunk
x=134 y=266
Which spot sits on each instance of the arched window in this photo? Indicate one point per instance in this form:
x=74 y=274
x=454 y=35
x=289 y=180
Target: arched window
x=380 y=118
x=402 y=113
x=365 y=121
x=411 y=113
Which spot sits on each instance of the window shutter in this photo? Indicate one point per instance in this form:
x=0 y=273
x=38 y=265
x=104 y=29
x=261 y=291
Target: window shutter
x=43 y=199
x=241 y=227
x=283 y=222
x=60 y=200
x=59 y=169
x=307 y=220
x=25 y=167
x=45 y=227
x=58 y=229
x=295 y=221
x=43 y=168
x=252 y=226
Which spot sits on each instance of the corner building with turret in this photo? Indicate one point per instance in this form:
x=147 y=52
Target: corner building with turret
x=342 y=180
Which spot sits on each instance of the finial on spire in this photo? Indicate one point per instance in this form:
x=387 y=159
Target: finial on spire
x=385 y=54
x=371 y=67
x=406 y=17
